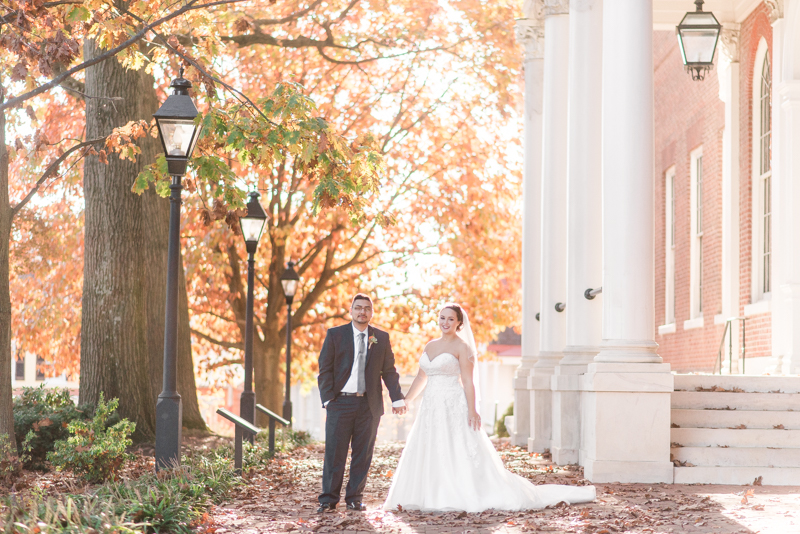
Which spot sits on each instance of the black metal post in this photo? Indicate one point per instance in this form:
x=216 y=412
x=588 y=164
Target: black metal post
x=287 y=399
x=247 y=402
x=237 y=450
x=169 y=410
x=271 y=435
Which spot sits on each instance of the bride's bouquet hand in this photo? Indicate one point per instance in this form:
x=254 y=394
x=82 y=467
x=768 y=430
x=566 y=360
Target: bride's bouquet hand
x=474 y=421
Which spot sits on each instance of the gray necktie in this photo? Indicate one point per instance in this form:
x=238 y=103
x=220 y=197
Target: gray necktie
x=361 y=356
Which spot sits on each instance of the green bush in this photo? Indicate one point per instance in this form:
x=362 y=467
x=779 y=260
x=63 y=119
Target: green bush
x=41 y=417
x=94 y=451
x=286 y=439
x=10 y=463
x=500 y=429
x=173 y=501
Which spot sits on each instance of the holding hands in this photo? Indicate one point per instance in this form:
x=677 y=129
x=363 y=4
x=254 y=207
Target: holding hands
x=400 y=410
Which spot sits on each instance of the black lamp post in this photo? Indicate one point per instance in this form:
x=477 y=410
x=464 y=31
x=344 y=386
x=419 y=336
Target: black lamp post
x=179 y=133
x=698 y=34
x=289 y=281
x=252 y=226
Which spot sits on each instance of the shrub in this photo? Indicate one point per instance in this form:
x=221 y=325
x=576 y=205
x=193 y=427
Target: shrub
x=173 y=501
x=41 y=417
x=500 y=429
x=10 y=462
x=93 y=451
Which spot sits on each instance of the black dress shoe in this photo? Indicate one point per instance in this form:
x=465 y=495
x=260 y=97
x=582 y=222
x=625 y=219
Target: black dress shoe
x=327 y=507
x=356 y=507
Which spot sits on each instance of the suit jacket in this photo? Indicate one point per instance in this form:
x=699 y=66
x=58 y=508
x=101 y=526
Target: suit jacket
x=336 y=364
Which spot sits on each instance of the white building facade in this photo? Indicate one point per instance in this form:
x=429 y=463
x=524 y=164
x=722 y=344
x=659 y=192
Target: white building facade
x=592 y=387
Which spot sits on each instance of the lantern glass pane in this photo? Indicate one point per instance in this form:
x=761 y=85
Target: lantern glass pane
x=252 y=228
x=698 y=45
x=177 y=136
x=289 y=287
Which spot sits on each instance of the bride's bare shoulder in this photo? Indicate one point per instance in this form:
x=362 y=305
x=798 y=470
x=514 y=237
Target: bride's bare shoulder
x=462 y=347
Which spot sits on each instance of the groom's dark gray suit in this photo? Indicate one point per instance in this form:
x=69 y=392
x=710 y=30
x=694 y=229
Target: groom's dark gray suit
x=352 y=418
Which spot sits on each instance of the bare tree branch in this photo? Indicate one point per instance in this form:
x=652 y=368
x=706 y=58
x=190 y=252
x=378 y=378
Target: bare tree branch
x=218 y=342
x=51 y=169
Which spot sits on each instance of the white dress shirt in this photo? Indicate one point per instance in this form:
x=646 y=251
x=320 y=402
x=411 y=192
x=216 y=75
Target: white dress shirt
x=351 y=386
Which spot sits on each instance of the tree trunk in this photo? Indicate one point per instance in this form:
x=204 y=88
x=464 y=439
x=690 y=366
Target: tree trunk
x=114 y=351
x=269 y=380
x=6 y=401
x=156 y=241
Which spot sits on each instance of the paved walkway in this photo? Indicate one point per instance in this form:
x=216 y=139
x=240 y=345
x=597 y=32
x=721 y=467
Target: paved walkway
x=283 y=499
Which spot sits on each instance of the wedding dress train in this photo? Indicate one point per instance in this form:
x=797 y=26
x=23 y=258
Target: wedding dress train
x=446 y=465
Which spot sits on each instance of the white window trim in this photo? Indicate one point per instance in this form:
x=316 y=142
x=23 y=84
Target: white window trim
x=691 y=324
x=669 y=246
x=762 y=306
x=695 y=310
x=666 y=329
x=757 y=189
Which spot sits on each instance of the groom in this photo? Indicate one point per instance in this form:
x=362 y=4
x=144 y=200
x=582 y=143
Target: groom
x=353 y=360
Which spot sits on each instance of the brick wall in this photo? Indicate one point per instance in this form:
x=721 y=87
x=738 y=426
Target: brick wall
x=759 y=327
x=688 y=115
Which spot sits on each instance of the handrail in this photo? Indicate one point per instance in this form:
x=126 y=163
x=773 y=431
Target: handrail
x=729 y=332
x=240 y=426
x=273 y=418
x=590 y=293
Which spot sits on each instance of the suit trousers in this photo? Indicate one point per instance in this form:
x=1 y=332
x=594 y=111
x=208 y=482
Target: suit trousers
x=349 y=421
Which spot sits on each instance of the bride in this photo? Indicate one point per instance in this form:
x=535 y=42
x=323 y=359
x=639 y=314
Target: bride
x=448 y=463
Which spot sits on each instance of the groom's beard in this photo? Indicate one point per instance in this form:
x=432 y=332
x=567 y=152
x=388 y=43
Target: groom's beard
x=361 y=321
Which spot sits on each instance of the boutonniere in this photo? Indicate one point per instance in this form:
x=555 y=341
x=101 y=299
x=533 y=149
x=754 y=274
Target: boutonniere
x=372 y=341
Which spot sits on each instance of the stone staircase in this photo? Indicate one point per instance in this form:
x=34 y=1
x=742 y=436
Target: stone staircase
x=736 y=429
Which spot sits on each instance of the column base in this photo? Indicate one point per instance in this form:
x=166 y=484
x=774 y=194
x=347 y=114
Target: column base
x=626 y=415
x=564 y=456
x=601 y=472
x=169 y=431
x=566 y=414
x=541 y=408
x=616 y=351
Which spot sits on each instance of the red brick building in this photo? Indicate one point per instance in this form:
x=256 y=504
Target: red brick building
x=713 y=202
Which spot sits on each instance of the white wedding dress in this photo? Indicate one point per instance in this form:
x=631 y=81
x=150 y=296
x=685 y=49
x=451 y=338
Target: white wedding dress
x=446 y=465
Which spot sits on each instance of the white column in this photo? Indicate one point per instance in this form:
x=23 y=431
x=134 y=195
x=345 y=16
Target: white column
x=786 y=176
x=554 y=220
x=584 y=225
x=728 y=75
x=626 y=400
x=530 y=32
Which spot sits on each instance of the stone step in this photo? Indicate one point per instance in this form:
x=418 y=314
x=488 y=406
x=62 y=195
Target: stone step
x=736 y=401
x=736 y=457
x=750 y=384
x=716 y=437
x=771 y=476
x=731 y=418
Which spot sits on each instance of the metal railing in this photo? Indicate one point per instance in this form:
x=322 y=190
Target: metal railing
x=273 y=418
x=729 y=333
x=241 y=427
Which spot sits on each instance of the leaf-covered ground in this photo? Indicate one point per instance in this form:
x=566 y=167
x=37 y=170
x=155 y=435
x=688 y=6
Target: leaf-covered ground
x=284 y=499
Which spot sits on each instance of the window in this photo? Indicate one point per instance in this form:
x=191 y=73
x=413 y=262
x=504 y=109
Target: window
x=762 y=176
x=765 y=146
x=19 y=368
x=669 y=285
x=39 y=368
x=696 y=252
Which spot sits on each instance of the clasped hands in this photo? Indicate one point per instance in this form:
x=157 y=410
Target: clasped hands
x=400 y=410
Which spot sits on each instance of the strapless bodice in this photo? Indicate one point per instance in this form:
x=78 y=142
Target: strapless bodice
x=445 y=364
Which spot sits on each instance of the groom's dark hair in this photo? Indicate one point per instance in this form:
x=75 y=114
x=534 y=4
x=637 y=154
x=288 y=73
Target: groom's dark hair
x=361 y=296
